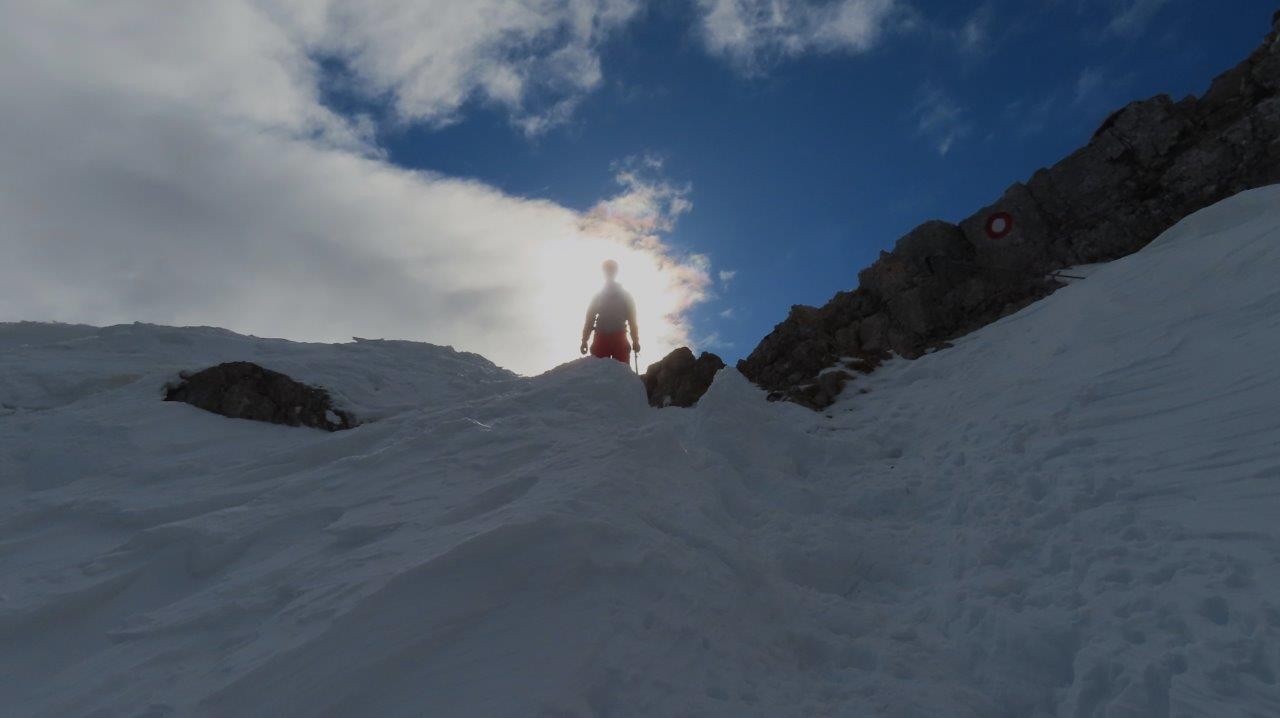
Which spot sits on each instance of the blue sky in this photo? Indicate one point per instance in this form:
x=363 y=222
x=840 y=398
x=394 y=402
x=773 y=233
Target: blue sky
x=804 y=169
x=452 y=171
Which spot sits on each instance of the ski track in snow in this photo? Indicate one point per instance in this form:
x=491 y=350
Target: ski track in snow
x=1072 y=512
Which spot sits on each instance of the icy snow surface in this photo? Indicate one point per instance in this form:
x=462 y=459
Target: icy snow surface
x=1073 y=512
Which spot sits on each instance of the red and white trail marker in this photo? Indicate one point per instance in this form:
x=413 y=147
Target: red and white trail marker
x=999 y=225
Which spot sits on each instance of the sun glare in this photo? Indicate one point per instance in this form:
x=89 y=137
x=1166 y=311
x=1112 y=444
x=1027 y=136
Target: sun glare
x=662 y=289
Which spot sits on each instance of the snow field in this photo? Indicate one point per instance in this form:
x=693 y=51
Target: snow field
x=1072 y=512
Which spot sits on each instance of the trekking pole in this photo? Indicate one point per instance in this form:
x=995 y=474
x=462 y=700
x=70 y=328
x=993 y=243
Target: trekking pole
x=637 y=358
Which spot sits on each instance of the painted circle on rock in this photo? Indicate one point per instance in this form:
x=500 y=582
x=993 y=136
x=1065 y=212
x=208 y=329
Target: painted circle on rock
x=999 y=225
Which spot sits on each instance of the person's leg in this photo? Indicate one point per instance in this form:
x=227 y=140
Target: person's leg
x=613 y=344
x=600 y=348
x=622 y=349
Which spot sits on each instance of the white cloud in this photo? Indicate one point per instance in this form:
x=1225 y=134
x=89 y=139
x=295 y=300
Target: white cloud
x=1133 y=16
x=534 y=124
x=179 y=167
x=751 y=32
x=1090 y=80
x=726 y=276
x=940 y=119
x=648 y=204
x=974 y=35
x=714 y=342
x=1030 y=117
x=534 y=57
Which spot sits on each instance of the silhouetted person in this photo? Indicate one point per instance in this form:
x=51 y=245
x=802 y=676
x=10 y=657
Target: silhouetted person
x=611 y=311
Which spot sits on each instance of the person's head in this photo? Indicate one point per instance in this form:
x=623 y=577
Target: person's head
x=610 y=268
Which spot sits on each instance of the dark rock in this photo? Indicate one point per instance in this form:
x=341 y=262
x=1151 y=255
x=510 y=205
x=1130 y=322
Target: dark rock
x=1150 y=164
x=243 y=390
x=679 y=379
x=823 y=392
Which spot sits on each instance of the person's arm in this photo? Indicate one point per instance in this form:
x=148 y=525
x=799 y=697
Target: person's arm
x=588 y=326
x=635 y=328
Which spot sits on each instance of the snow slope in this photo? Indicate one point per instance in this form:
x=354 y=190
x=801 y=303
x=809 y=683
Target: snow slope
x=1072 y=512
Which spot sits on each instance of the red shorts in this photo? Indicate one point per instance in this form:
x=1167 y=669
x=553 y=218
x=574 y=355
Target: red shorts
x=612 y=344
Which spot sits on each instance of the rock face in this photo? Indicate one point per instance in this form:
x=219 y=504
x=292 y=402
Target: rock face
x=679 y=379
x=243 y=390
x=1149 y=165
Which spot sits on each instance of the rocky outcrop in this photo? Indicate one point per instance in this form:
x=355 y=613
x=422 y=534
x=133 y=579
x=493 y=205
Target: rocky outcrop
x=1149 y=165
x=679 y=379
x=243 y=390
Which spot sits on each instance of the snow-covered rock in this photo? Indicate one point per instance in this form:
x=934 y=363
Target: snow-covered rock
x=1070 y=512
